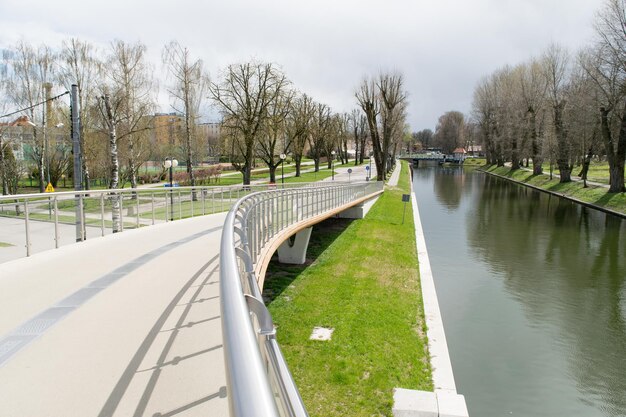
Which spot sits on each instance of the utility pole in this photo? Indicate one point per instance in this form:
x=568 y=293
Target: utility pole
x=78 y=171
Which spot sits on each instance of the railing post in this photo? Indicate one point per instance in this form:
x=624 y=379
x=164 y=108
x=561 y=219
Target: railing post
x=152 y=208
x=193 y=192
x=102 y=214
x=137 y=194
x=180 y=206
x=56 y=223
x=26 y=224
x=121 y=197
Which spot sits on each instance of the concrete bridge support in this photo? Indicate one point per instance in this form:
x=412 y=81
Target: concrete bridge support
x=293 y=250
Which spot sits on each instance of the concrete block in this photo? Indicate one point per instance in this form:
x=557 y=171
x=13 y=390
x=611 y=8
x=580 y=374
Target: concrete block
x=295 y=253
x=451 y=404
x=412 y=403
x=358 y=211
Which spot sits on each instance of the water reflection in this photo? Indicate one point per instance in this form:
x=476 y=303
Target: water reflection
x=565 y=265
x=449 y=186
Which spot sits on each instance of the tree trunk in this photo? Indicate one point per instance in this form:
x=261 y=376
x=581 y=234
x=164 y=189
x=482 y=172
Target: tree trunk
x=585 y=169
x=316 y=160
x=514 y=154
x=3 y=178
x=329 y=161
x=536 y=149
x=272 y=168
x=115 y=167
x=298 y=160
x=615 y=157
x=356 y=149
x=563 y=159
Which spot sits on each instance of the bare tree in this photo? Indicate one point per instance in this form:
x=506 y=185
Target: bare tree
x=393 y=114
x=131 y=83
x=298 y=128
x=187 y=90
x=32 y=72
x=606 y=66
x=243 y=95
x=449 y=131
x=273 y=139
x=110 y=122
x=556 y=66
x=382 y=101
x=532 y=88
x=320 y=129
x=357 y=124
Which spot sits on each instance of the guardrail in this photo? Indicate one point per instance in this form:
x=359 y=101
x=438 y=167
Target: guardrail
x=95 y=213
x=259 y=381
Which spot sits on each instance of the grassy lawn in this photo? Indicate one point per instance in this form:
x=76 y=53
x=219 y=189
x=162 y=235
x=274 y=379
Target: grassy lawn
x=598 y=171
x=308 y=176
x=592 y=194
x=362 y=280
x=474 y=162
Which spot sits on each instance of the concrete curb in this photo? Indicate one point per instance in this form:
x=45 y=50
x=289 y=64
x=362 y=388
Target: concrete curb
x=445 y=400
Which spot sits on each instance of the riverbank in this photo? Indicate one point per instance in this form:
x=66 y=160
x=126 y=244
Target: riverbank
x=594 y=196
x=361 y=280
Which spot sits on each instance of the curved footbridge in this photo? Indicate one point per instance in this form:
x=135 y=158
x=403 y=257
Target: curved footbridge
x=164 y=320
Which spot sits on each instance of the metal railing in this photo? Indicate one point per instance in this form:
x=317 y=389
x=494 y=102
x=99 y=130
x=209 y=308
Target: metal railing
x=259 y=381
x=50 y=220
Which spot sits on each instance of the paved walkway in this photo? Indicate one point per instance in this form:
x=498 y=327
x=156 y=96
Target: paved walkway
x=124 y=325
x=395 y=175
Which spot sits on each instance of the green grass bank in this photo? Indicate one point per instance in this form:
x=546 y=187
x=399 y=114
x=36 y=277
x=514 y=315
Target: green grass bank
x=361 y=279
x=593 y=195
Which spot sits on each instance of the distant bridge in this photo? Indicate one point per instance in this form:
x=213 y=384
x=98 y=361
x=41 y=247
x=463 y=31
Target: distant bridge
x=436 y=157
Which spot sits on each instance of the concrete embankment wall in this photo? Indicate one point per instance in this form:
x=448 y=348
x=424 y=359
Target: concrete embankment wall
x=444 y=401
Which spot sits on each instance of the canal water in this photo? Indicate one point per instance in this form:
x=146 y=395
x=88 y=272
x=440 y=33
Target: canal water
x=532 y=290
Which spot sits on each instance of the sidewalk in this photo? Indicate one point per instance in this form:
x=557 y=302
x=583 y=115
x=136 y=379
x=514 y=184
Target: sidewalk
x=395 y=175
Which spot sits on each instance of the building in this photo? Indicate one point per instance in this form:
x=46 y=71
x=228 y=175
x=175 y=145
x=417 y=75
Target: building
x=20 y=134
x=167 y=129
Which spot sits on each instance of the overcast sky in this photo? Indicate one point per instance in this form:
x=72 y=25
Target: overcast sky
x=443 y=47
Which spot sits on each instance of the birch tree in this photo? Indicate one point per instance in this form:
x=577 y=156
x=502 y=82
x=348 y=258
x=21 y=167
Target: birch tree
x=110 y=121
x=130 y=79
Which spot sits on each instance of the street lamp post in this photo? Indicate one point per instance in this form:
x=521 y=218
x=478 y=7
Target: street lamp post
x=282 y=168
x=171 y=163
x=332 y=164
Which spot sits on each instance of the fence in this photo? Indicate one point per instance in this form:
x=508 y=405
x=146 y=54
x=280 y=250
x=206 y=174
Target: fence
x=259 y=381
x=51 y=220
